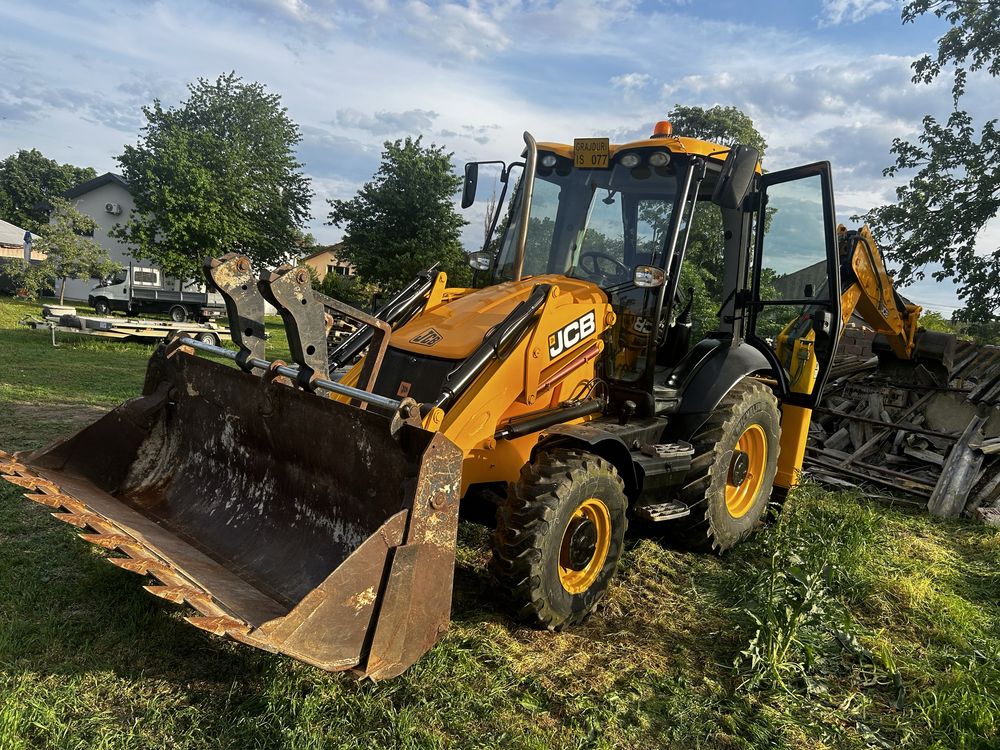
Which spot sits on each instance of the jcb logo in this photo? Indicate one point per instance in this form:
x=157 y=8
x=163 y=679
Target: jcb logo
x=427 y=338
x=571 y=334
x=642 y=325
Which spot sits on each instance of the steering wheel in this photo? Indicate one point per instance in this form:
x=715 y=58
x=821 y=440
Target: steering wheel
x=594 y=270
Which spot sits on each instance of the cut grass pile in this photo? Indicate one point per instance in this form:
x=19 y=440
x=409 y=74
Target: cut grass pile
x=850 y=625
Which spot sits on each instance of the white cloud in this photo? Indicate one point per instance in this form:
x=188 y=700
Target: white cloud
x=840 y=11
x=410 y=122
x=631 y=82
x=465 y=31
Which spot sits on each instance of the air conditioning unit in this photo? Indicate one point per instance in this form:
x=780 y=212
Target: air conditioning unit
x=113 y=208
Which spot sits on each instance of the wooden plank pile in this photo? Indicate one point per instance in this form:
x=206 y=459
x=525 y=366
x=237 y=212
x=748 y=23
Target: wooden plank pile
x=913 y=440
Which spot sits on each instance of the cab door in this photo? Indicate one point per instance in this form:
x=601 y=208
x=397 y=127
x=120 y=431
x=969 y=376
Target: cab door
x=794 y=310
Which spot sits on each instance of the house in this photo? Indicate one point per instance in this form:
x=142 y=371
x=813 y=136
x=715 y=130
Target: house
x=16 y=243
x=795 y=284
x=325 y=260
x=107 y=200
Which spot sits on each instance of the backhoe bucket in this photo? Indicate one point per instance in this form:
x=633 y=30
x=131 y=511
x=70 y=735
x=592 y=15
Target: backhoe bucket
x=289 y=521
x=931 y=363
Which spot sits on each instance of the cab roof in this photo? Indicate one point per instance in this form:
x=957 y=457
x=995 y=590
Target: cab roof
x=674 y=143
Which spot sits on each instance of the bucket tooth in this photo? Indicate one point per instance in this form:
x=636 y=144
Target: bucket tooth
x=168 y=577
x=81 y=520
x=149 y=566
x=7 y=460
x=33 y=483
x=221 y=625
x=178 y=594
x=111 y=541
x=142 y=566
x=55 y=501
x=9 y=465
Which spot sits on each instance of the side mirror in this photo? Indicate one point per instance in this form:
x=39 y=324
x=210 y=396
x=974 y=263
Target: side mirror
x=736 y=177
x=648 y=277
x=481 y=260
x=810 y=291
x=471 y=181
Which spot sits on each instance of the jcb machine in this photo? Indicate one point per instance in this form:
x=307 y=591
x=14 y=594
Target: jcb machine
x=317 y=517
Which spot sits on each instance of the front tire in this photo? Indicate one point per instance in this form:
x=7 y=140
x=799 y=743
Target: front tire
x=559 y=536
x=731 y=477
x=102 y=307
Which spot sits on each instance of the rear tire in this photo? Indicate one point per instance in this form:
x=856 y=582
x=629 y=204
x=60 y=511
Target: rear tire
x=178 y=314
x=559 y=536
x=208 y=337
x=731 y=477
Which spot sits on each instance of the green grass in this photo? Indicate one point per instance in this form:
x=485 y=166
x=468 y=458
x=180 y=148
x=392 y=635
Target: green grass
x=899 y=645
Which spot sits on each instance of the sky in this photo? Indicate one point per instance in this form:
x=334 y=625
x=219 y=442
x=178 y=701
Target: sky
x=822 y=79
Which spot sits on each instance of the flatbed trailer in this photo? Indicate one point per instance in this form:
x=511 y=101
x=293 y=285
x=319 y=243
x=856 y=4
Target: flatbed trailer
x=66 y=320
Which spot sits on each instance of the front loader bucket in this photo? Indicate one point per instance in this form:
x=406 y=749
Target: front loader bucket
x=289 y=521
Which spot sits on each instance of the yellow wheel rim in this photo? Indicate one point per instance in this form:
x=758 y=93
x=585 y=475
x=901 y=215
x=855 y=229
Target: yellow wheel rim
x=746 y=471
x=590 y=519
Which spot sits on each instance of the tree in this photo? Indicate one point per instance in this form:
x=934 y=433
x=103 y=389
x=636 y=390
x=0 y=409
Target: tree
x=726 y=126
x=955 y=188
x=25 y=279
x=404 y=219
x=703 y=263
x=349 y=289
x=71 y=252
x=491 y=207
x=215 y=175
x=28 y=181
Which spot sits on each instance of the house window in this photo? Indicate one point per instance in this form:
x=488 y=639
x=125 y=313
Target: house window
x=330 y=269
x=342 y=270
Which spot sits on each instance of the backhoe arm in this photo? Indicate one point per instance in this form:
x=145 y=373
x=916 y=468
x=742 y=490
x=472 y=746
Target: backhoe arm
x=869 y=291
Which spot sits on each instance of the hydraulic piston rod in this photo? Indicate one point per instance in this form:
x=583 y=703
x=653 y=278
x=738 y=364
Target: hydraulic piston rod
x=293 y=373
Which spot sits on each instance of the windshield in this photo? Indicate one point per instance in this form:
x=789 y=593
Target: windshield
x=598 y=225
x=594 y=224
x=117 y=278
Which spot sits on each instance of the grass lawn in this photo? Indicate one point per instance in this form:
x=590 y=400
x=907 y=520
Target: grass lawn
x=843 y=625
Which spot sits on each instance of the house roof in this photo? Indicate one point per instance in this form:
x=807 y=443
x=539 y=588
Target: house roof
x=99 y=181
x=322 y=250
x=11 y=235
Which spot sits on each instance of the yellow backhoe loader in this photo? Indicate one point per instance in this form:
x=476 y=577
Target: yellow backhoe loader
x=316 y=515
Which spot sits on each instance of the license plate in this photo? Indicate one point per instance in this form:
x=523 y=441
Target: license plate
x=591 y=153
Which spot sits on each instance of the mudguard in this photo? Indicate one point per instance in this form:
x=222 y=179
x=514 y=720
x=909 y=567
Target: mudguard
x=597 y=440
x=704 y=377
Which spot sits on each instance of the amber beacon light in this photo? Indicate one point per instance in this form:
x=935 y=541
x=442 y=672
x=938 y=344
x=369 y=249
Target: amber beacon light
x=663 y=129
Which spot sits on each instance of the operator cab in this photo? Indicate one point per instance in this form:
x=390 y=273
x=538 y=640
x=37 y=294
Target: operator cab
x=617 y=223
x=648 y=220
